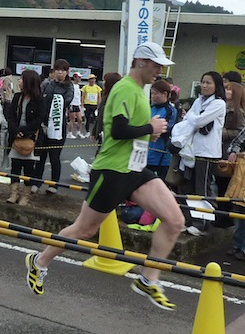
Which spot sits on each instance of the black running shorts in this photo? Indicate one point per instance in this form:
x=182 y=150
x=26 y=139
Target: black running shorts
x=75 y=109
x=109 y=188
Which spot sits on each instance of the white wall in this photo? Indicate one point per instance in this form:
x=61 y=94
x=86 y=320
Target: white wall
x=195 y=53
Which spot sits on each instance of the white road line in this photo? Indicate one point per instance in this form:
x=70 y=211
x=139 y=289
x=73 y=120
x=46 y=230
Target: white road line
x=166 y=284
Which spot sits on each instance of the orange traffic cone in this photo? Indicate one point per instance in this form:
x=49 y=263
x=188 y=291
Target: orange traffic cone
x=210 y=317
x=109 y=236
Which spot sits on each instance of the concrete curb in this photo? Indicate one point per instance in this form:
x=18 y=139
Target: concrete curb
x=185 y=249
x=54 y=212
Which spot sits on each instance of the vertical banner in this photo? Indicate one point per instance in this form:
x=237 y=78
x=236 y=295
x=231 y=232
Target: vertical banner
x=136 y=28
x=230 y=58
x=159 y=10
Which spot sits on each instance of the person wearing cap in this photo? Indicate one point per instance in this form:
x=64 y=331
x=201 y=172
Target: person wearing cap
x=91 y=98
x=118 y=173
x=75 y=109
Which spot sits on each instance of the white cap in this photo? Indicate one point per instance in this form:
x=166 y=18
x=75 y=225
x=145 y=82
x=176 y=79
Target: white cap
x=77 y=74
x=154 y=52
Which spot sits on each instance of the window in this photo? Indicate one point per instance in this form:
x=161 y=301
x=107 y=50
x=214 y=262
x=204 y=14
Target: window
x=29 y=50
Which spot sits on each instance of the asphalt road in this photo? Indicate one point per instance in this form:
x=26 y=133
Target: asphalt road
x=80 y=300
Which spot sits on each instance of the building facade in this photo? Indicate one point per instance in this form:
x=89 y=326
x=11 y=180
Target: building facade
x=90 y=40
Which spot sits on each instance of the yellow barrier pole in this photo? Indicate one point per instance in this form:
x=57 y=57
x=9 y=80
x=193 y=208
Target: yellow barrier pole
x=110 y=236
x=210 y=317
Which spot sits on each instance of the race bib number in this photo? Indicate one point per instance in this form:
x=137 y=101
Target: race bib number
x=138 y=157
x=92 y=97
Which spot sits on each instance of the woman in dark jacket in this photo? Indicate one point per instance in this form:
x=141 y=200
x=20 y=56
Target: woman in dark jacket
x=26 y=113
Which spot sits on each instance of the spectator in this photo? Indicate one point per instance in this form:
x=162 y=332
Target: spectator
x=195 y=137
x=75 y=109
x=58 y=95
x=26 y=113
x=158 y=155
x=236 y=190
x=232 y=76
x=48 y=79
x=8 y=91
x=234 y=123
x=91 y=98
x=201 y=127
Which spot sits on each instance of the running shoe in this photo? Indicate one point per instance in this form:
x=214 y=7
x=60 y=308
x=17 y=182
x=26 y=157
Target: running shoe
x=80 y=135
x=70 y=136
x=51 y=190
x=35 y=275
x=154 y=292
x=34 y=189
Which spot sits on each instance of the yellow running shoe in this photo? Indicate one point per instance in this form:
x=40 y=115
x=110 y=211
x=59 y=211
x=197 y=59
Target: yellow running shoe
x=35 y=275
x=154 y=292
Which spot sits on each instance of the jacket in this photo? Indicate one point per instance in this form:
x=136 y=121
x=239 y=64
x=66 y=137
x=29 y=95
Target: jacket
x=236 y=187
x=158 y=154
x=202 y=112
x=65 y=89
x=230 y=131
x=35 y=114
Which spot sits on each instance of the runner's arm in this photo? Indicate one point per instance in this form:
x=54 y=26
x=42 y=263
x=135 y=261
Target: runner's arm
x=122 y=130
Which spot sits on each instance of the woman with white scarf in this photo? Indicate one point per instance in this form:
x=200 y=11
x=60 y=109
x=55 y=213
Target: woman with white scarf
x=204 y=122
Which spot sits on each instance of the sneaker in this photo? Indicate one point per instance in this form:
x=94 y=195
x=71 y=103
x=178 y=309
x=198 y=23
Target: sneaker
x=87 y=135
x=51 y=190
x=233 y=251
x=80 y=135
x=34 y=189
x=35 y=275
x=70 y=136
x=154 y=293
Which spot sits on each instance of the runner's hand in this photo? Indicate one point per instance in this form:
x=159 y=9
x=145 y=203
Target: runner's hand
x=159 y=124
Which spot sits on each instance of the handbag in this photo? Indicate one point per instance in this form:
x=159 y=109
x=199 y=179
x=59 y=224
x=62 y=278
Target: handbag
x=24 y=146
x=174 y=176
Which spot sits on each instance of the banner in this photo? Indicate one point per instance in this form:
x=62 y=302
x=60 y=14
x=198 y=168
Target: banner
x=158 y=22
x=83 y=71
x=22 y=67
x=136 y=28
x=230 y=58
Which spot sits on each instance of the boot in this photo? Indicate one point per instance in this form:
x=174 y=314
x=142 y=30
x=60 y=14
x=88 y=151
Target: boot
x=25 y=197
x=14 y=193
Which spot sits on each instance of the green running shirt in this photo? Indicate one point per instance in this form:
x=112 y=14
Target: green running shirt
x=126 y=98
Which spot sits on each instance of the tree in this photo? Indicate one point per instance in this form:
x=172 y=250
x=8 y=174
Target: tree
x=197 y=7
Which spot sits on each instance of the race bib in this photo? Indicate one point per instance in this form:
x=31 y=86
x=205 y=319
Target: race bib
x=92 y=97
x=138 y=157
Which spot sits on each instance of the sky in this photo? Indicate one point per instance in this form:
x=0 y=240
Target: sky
x=236 y=6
